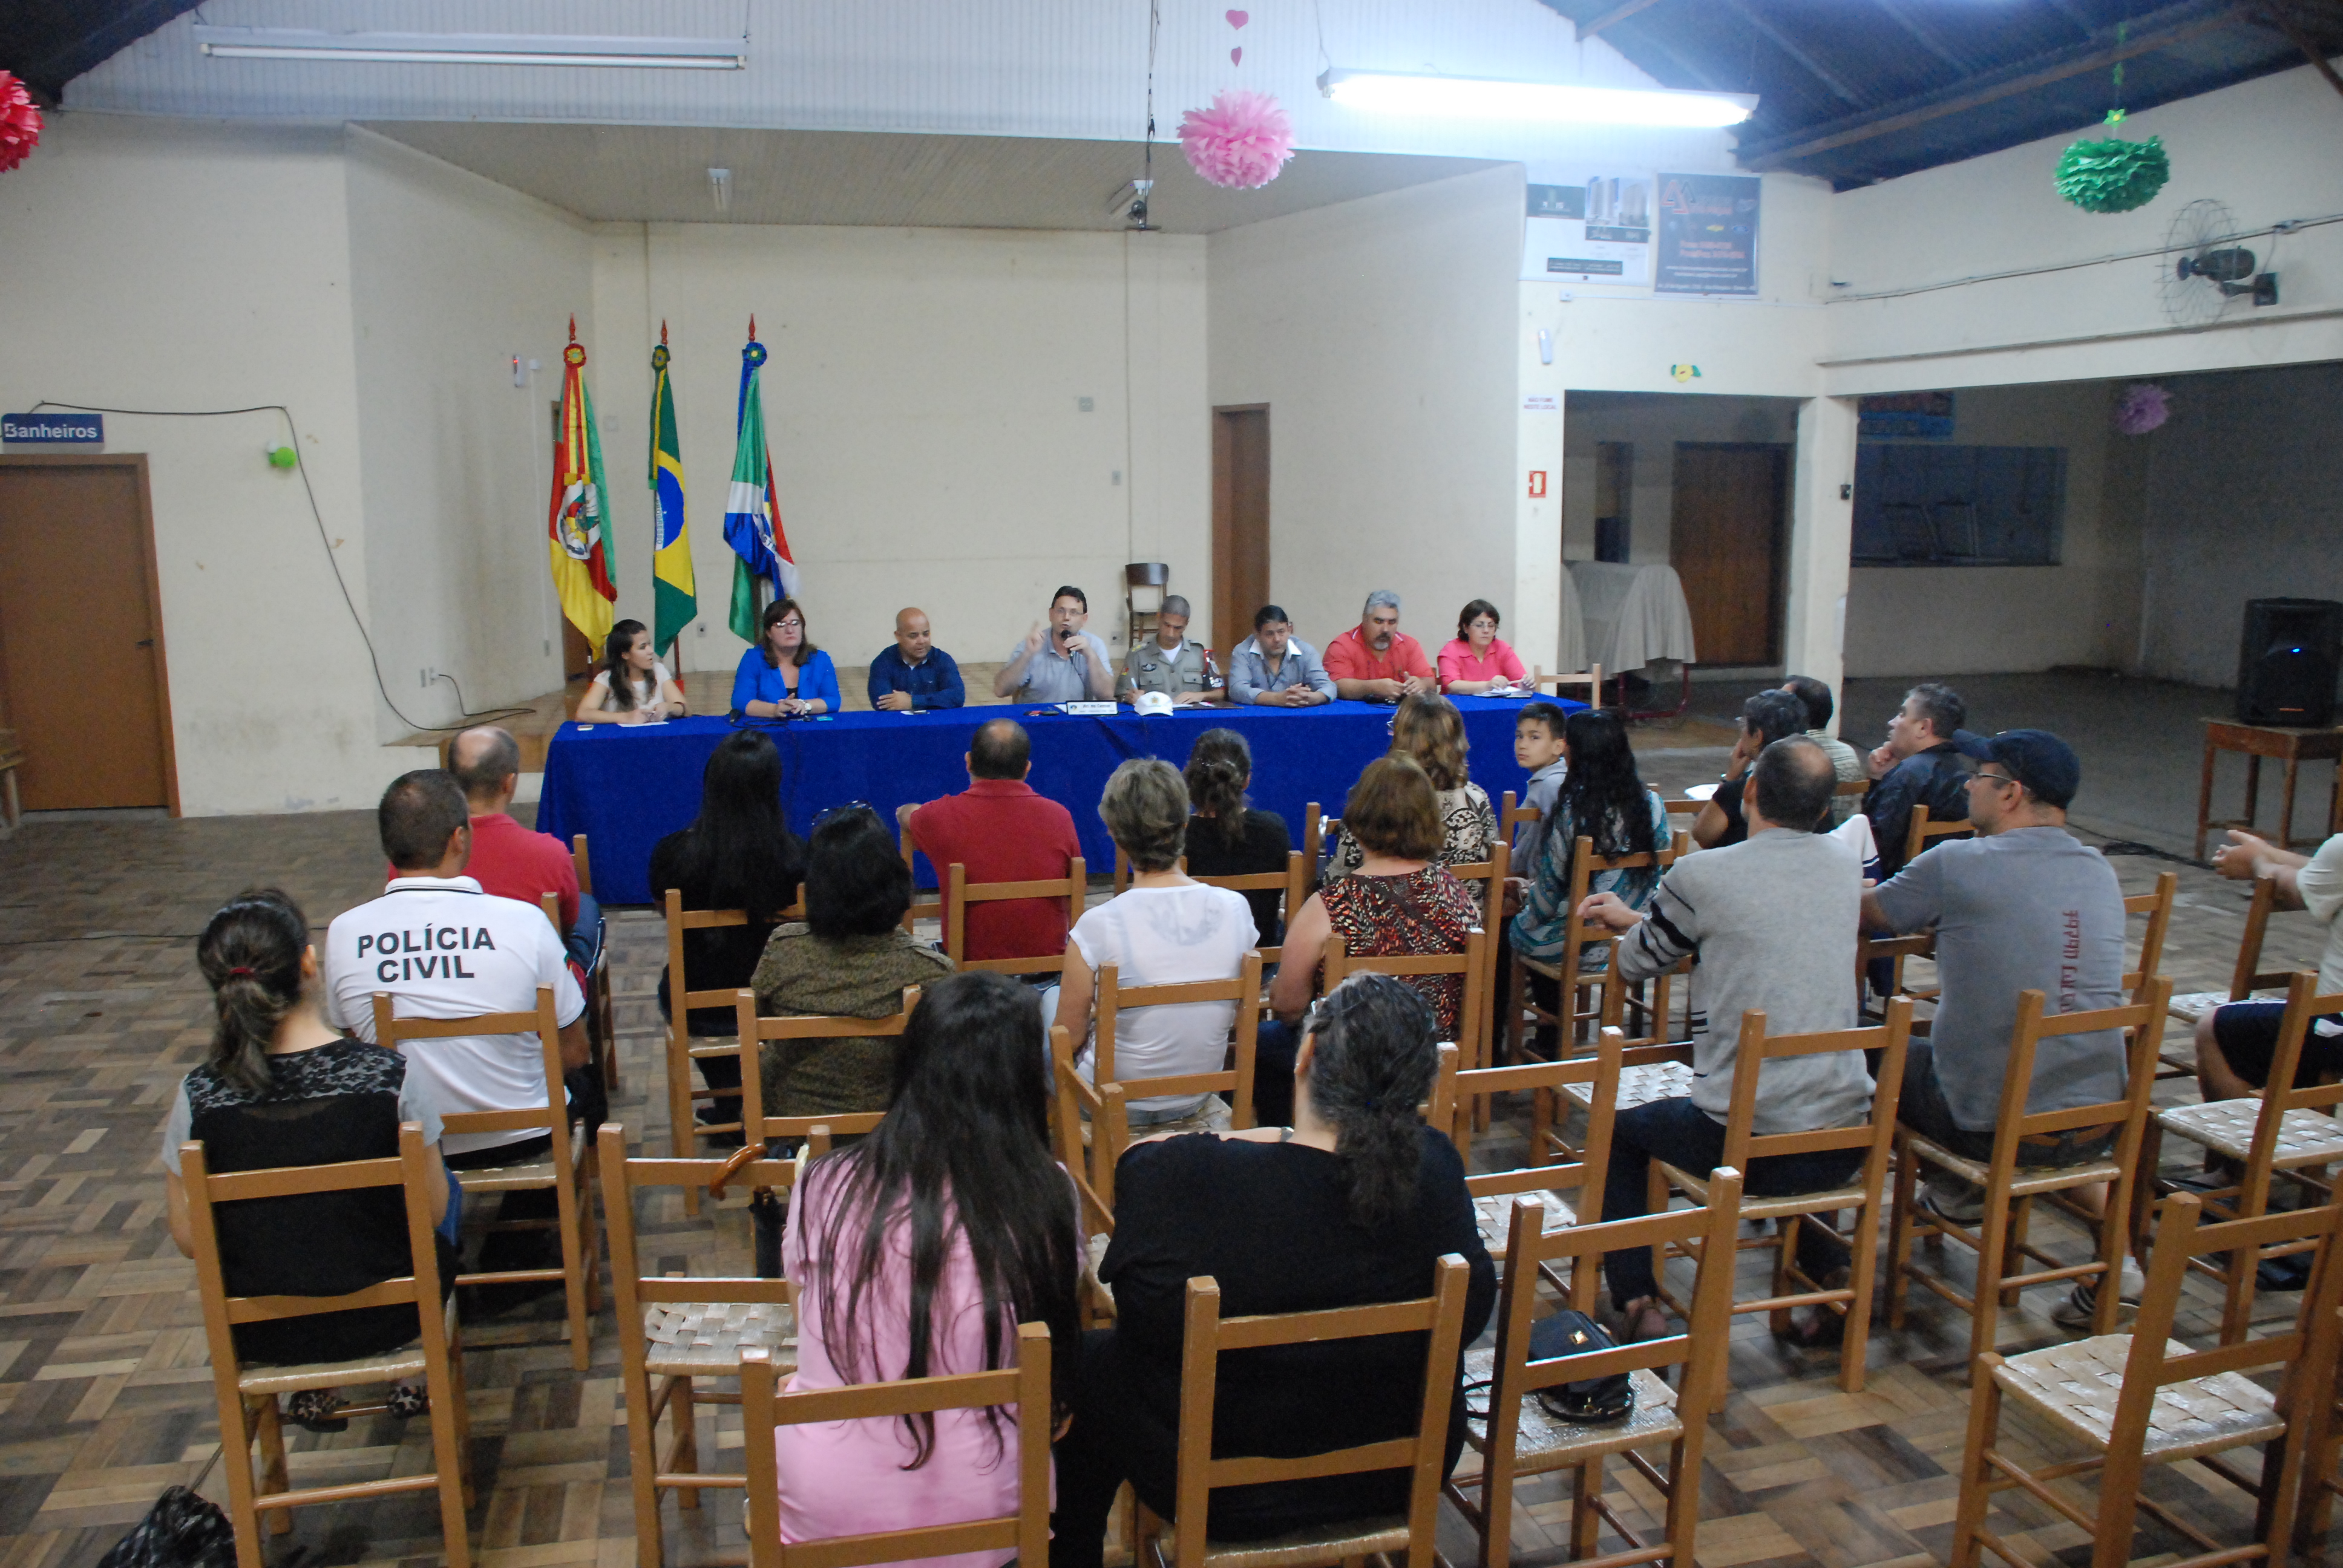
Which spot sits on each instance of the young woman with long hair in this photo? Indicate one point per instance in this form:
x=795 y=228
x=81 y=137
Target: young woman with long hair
x=1605 y=799
x=277 y=1086
x=917 y=1253
x=785 y=676
x=1227 y=837
x=738 y=854
x=1354 y=1204
x=632 y=687
x=1431 y=730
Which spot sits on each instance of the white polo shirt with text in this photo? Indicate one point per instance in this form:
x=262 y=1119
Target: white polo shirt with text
x=443 y=949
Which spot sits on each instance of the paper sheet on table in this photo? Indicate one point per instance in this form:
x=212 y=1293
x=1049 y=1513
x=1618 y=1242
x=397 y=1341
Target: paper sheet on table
x=1699 y=792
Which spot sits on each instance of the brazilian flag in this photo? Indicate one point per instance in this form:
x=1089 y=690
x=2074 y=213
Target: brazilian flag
x=677 y=601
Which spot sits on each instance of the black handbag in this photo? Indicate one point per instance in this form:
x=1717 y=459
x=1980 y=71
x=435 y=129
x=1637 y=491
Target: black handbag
x=181 y=1531
x=1589 y=1401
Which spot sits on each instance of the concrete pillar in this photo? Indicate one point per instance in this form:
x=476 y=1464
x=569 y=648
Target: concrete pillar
x=1534 y=620
x=1822 y=540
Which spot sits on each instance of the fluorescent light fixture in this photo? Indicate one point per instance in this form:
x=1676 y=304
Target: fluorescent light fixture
x=1485 y=98
x=470 y=48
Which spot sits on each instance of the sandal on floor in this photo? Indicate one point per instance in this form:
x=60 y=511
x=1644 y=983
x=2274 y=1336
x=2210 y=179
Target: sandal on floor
x=1648 y=1322
x=317 y=1410
x=407 y=1401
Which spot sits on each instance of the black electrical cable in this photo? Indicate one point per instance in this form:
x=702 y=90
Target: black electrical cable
x=293 y=435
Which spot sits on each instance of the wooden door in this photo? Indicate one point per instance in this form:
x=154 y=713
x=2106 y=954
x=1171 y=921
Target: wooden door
x=1240 y=522
x=81 y=643
x=1726 y=529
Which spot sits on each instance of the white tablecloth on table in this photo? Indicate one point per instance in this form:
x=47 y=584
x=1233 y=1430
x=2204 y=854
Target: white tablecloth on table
x=1570 y=646
x=1633 y=614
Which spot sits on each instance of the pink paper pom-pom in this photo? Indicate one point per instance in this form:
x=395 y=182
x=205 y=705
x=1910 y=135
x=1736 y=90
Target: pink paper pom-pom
x=1240 y=142
x=2145 y=405
x=20 y=123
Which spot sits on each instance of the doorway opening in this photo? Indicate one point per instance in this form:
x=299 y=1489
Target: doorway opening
x=1240 y=522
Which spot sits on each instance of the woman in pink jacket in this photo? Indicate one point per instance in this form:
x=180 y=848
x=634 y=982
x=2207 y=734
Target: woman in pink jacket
x=896 y=1243
x=1477 y=662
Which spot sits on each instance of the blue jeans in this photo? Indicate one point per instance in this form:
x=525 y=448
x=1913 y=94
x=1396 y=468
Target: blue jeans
x=449 y=1227
x=1679 y=1133
x=584 y=941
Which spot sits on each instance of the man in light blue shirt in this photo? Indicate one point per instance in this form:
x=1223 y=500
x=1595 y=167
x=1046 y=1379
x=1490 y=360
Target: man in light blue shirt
x=1059 y=662
x=1276 y=669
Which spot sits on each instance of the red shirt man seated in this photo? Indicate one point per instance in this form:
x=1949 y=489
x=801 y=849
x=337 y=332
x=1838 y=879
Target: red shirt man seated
x=1374 y=661
x=1002 y=831
x=509 y=861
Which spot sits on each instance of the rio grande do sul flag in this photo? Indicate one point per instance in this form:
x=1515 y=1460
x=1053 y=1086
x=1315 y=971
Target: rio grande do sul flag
x=577 y=534
x=676 y=602
x=752 y=515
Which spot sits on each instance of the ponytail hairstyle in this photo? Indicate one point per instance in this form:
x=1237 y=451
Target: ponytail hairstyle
x=1375 y=1059
x=251 y=953
x=1220 y=766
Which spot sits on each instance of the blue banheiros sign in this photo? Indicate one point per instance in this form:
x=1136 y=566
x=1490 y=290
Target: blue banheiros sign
x=54 y=429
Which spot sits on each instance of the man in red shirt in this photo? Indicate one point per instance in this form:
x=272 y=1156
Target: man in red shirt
x=1002 y=831
x=510 y=861
x=1374 y=661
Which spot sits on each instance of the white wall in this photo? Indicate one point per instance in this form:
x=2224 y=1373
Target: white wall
x=1971 y=620
x=2244 y=500
x=183 y=266
x=922 y=405
x=1380 y=333
x=453 y=275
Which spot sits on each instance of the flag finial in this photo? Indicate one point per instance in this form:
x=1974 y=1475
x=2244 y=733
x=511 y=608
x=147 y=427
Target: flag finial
x=662 y=329
x=752 y=327
x=573 y=328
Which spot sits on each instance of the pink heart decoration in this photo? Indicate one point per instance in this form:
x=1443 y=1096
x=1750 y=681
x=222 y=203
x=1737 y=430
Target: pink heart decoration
x=1236 y=57
x=1239 y=18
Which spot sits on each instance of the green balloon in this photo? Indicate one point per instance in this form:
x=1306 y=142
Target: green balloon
x=284 y=457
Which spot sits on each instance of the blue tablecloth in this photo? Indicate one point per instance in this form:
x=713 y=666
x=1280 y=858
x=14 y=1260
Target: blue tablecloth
x=627 y=787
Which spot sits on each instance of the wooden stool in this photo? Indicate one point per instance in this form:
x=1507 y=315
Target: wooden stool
x=2292 y=746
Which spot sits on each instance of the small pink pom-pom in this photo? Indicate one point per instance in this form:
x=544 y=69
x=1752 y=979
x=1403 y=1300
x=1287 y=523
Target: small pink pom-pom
x=2145 y=405
x=1240 y=142
x=20 y=123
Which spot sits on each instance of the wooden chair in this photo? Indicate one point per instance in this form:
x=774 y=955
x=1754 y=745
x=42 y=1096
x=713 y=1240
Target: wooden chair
x=761 y=1129
x=1236 y=1080
x=1519 y=1437
x=1650 y=1067
x=1493 y=1190
x=676 y=1334
x=1137 y=576
x=685 y=1130
x=603 y=1037
x=2010 y=1187
x=1294 y=881
x=1579 y=988
x=1207 y=1336
x=1509 y=818
x=932 y=909
x=2284 y=1132
x=1313 y=843
x=1590 y=677
x=1090 y=1160
x=959 y=892
x=248 y=1415
x=2139 y=1399
x=2158 y=907
x=1924 y=832
x=599 y=1000
x=1025 y=1386
x=1491 y=874
x=1472 y=964
x=567 y=1169
x=1863 y=1194
x=2247 y=976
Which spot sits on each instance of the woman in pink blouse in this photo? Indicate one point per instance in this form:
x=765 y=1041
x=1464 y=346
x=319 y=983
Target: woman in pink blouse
x=897 y=1242
x=1477 y=661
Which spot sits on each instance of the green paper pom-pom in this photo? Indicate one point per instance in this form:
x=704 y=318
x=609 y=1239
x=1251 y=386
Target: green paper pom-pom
x=2113 y=175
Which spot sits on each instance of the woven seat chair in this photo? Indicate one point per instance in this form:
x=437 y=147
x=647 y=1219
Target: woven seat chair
x=959 y=892
x=685 y=1130
x=1584 y=993
x=1518 y=1437
x=1493 y=1191
x=2130 y=1400
x=677 y=1334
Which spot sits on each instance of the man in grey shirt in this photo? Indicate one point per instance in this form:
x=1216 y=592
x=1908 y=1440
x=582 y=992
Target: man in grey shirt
x=1773 y=922
x=2024 y=906
x=1276 y=669
x=1063 y=663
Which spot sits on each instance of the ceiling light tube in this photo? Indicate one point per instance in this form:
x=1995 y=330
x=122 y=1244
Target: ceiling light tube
x=1485 y=98
x=470 y=48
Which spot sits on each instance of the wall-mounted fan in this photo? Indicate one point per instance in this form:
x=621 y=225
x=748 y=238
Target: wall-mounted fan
x=2204 y=267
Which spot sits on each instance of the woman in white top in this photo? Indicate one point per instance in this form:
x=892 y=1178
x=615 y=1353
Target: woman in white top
x=634 y=687
x=1166 y=928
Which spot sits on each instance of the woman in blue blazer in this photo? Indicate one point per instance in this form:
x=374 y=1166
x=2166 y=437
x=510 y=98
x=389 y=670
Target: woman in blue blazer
x=785 y=676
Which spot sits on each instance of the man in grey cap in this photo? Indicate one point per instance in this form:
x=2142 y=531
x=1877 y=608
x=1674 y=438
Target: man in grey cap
x=1169 y=663
x=2024 y=906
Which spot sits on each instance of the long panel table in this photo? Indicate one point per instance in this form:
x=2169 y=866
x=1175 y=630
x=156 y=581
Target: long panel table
x=625 y=787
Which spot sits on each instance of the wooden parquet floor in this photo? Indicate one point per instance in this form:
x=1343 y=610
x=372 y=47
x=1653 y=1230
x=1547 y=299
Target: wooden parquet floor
x=105 y=1399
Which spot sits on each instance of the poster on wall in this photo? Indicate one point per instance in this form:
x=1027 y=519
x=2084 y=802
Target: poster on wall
x=1706 y=237
x=1905 y=417
x=1595 y=231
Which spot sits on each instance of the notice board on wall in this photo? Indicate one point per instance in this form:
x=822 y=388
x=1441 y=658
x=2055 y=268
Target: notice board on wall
x=1597 y=230
x=1948 y=506
x=1705 y=236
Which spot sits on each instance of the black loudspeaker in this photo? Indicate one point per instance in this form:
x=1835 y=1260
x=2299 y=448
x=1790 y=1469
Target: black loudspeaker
x=2288 y=662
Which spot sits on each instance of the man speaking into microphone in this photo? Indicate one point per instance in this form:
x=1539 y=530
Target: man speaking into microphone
x=1059 y=662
